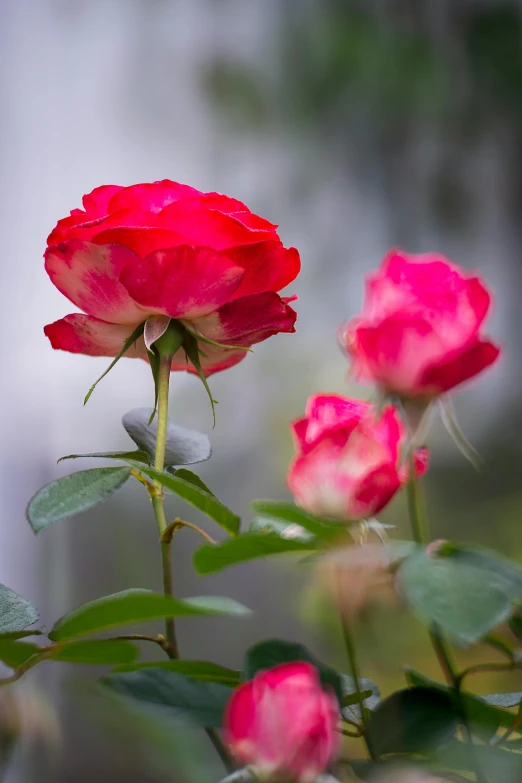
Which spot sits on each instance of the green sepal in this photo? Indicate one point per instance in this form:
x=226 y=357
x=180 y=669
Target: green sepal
x=190 y=345
x=126 y=345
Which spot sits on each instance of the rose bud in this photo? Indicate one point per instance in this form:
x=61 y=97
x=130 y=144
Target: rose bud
x=419 y=334
x=348 y=463
x=283 y=724
x=165 y=249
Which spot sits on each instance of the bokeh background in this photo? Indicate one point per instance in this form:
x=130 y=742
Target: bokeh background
x=355 y=126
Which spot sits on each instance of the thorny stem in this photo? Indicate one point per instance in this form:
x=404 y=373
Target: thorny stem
x=419 y=526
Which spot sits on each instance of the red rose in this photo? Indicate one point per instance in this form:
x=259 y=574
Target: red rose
x=283 y=724
x=420 y=330
x=348 y=463
x=165 y=248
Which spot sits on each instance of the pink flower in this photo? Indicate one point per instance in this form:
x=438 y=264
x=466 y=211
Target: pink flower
x=283 y=724
x=165 y=248
x=348 y=463
x=420 y=330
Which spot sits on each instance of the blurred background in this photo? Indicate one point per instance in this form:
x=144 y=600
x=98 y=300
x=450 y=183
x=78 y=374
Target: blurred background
x=355 y=126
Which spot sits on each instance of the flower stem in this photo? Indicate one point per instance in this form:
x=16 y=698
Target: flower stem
x=354 y=669
x=156 y=492
x=157 y=495
x=420 y=531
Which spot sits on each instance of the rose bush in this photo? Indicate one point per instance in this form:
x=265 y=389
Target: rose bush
x=168 y=249
x=283 y=724
x=420 y=330
x=348 y=463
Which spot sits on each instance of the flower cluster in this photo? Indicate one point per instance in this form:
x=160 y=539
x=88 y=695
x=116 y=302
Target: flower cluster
x=417 y=337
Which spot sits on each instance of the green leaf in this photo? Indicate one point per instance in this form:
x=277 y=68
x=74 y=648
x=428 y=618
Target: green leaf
x=352 y=711
x=98 y=651
x=273 y=652
x=412 y=720
x=132 y=606
x=134 y=456
x=183 y=446
x=511 y=699
x=206 y=671
x=484 y=718
x=193 y=478
x=211 y=558
x=136 y=334
x=199 y=703
x=515 y=625
x=466 y=592
x=72 y=494
x=496 y=766
x=197 y=497
x=323 y=529
x=14 y=653
x=287 y=530
x=15 y=612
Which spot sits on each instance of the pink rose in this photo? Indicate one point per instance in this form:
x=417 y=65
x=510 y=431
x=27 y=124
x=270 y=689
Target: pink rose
x=348 y=463
x=165 y=248
x=420 y=330
x=283 y=724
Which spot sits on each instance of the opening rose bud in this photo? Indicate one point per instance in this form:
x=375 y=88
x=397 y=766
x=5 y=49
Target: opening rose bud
x=348 y=464
x=419 y=334
x=167 y=249
x=283 y=724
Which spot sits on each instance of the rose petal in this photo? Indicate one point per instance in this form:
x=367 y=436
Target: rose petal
x=141 y=240
x=182 y=282
x=88 y=275
x=239 y=715
x=86 y=227
x=79 y=333
x=153 y=196
x=268 y=266
x=209 y=228
x=249 y=320
x=468 y=363
x=96 y=203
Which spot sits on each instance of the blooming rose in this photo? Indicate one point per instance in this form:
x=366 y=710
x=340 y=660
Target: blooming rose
x=165 y=248
x=420 y=330
x=283 y=724
x=348 y=463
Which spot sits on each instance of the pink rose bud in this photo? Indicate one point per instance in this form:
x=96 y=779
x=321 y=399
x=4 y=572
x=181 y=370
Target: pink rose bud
x=348 y=463
x=283 y=724
x=419 y=334
x=167 y=249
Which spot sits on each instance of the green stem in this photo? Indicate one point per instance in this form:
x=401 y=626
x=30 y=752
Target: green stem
x=157 y=496
x=354 y=669
x=420 y=531
x=172 y=648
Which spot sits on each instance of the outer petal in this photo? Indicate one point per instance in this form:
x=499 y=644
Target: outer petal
x=242 y=322
x=79 y=333
x=316 y=483
x=96 y=203
x=459 y=368
x=395 y=353
x=86 y=227
x=183 y=282
x=374 y=491
x=210 y=228
x=248 y=320
x=88 y=275
x=153 y=196
x=142 y=240
x=268 y=266
x=239 y=723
